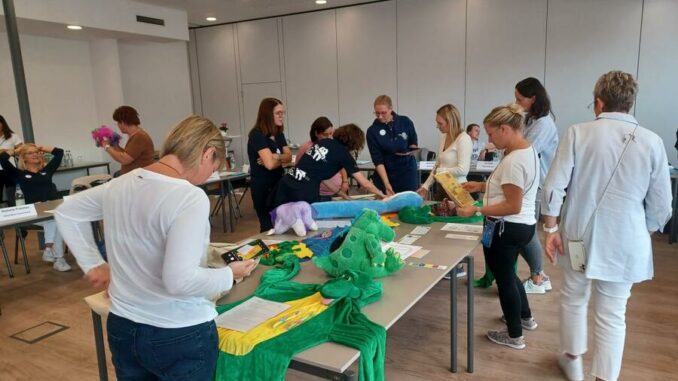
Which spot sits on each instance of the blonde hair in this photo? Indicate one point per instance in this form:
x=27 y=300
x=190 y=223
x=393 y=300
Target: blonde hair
x=23 y=152
x=512 y=115
x=617 y=90
x=189 y=139
x=451 y=116
x=384 y=100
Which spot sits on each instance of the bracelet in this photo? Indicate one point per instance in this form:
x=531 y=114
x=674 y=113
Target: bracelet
x=550 y=230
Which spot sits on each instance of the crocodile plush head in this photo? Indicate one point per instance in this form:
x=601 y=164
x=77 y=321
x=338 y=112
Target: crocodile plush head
x=361 y=249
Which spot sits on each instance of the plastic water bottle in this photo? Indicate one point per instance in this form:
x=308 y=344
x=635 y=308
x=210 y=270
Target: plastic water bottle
x=19 y=196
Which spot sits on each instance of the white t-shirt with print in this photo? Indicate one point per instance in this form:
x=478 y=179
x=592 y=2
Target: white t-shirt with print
x=10 y=143
x=520 y=168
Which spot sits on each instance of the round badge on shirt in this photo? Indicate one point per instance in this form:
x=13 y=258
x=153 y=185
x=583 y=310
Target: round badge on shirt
x=382 y=132
x=28 y=176
x=404 y=135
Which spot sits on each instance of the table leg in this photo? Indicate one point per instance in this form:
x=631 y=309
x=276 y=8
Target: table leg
x=99 y=343
x=10 y=272
x=223 y=206
x=470 y=314
x=22 y=241
x=453 y=320
x=231 y=221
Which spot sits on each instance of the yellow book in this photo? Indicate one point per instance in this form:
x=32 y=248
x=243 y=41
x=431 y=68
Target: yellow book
x=453 y=189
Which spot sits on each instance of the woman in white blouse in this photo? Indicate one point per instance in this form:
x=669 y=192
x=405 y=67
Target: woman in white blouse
x=161 y=323
x=454 y=155
x=615 y=174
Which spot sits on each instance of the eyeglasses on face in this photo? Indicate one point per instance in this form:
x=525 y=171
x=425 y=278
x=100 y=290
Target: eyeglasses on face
x=279 y=113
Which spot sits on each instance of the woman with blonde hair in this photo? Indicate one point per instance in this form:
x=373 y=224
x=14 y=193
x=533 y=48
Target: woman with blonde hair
x=34 y=177
x=454 y=155
x=161 y=323
x=508 y=207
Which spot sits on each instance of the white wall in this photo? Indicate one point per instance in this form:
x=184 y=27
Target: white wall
x=156 y=81
x=469 y=53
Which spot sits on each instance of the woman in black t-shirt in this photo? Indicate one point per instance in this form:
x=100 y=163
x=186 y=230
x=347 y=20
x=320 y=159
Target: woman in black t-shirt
x=322 y=161
x=268 y=152
x=34 y=176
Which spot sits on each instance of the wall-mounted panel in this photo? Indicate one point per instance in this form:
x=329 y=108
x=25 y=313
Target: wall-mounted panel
x=259 y=51
x=366 y=37
x=658 y=72
x=431 y=59
x=586 y=39
x=505 y=44
x=311 y=87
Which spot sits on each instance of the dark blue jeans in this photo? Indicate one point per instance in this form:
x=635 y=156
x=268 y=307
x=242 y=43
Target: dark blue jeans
x=143 y=352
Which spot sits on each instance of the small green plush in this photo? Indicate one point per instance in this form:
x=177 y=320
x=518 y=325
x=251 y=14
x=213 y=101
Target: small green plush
x=361 y=249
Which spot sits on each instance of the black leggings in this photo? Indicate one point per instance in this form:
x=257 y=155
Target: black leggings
x=501 y=258
x=262 y=192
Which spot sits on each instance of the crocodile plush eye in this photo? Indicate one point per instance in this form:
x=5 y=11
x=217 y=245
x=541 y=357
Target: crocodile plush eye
x=346 y=253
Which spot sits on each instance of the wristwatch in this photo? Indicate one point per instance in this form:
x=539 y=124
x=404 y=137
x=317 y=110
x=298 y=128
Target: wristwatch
x=550 y=230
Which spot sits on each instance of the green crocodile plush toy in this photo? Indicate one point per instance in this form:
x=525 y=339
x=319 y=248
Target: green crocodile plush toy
x=361 y=249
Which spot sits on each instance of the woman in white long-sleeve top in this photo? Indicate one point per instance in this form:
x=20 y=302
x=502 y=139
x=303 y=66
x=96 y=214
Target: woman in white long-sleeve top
x=161 y=324
x=618 y=194
x=454 y=154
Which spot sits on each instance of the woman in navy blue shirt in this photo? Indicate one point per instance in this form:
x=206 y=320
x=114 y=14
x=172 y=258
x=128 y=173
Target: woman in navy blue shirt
x=392 y=142
x=322 y=161
x=268 y=152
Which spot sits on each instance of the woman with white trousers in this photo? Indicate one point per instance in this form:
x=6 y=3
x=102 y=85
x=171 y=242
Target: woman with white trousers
x=618 y=194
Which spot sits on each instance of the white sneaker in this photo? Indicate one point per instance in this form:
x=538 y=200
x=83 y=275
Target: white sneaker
x=48 y=255
x=532 y=288
x=61 y=265
x=546 y=281
x=572 y=369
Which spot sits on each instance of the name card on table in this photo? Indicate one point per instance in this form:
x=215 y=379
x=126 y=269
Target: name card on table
x=486 y=165
x=14 y=212
x=426 y=165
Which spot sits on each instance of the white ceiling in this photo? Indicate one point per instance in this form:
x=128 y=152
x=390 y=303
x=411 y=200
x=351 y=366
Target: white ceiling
x=238 y=10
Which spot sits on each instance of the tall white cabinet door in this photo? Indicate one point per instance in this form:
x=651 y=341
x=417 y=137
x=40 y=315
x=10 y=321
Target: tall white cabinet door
x=259 y=51
x=431 y=59
x=505 y=44
x=366 y=37
x=252 y=94
x=658 y=72
x=311 y=88
x=586 y=39
x=218 y=80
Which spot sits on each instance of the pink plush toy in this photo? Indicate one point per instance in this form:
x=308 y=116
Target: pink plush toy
x=297 y=216
x=105 y=133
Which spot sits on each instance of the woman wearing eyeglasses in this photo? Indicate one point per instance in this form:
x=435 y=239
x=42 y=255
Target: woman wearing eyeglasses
x=392 y=142
x=268 y=152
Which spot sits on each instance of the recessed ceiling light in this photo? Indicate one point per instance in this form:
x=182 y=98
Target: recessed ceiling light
x=211 y=18
x=74 y=27
x=321 y=2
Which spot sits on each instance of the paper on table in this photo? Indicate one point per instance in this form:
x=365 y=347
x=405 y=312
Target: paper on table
x=421 y=253
x=426 y=165
x=330 y=224
x=213 y=176
x=20 y=211
x=420 y=230
x=250 y=314
x=462 y=228
x=404 y=250
x=486 y=165
x=409 y=239
x=462 y=236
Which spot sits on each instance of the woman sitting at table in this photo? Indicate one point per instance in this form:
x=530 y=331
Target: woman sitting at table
x=322 y=161
x=337 y=185
x=454 y=155
x=34 y=177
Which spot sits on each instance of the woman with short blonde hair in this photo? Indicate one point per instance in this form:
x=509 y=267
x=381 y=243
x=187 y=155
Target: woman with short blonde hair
x=157 y=229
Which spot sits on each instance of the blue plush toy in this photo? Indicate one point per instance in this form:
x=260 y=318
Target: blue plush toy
x=350 y=209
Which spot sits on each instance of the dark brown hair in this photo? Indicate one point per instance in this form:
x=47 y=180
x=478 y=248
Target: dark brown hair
x=265 y=122
x=470 y=127
x=531 y=87
x=319 y=126
x=351 y=136
x=127 y=115
x=4 y=128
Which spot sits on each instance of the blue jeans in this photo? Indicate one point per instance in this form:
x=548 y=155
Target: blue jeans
x=144 y=352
